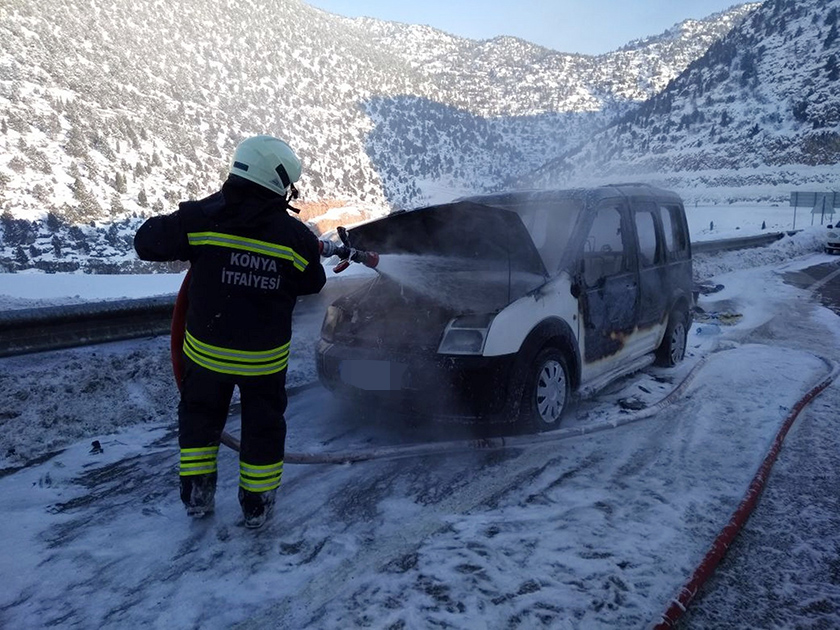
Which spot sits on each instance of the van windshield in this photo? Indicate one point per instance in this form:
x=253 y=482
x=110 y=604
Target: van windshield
x=550 y=224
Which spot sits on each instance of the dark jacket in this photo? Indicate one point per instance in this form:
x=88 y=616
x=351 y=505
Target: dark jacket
x=250 y=260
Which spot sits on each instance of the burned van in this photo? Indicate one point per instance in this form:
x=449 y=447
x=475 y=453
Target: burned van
x=504 y=306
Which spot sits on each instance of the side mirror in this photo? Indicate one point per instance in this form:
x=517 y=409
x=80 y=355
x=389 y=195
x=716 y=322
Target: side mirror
x=577 y=283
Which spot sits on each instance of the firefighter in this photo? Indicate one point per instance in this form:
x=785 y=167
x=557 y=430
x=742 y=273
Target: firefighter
x=249 y=261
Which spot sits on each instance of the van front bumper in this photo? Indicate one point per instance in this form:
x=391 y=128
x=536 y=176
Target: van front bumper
x=445 y=385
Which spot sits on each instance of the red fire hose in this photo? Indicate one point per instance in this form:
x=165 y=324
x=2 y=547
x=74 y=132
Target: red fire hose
x=727 y=535
x=176 y=345
x=179 y=325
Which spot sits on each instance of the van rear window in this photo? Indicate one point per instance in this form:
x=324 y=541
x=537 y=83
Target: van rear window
x=676 y=238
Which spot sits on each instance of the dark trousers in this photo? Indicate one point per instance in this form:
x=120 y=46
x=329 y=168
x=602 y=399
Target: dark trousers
x=203 y=410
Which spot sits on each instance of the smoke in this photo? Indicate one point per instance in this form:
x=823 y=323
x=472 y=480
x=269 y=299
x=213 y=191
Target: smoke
x=458 y=284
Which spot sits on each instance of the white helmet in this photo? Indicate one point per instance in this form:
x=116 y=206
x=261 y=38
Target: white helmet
x=269 y=162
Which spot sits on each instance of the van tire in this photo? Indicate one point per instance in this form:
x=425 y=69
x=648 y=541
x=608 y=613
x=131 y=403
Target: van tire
x=547 y=390
x=672 y=349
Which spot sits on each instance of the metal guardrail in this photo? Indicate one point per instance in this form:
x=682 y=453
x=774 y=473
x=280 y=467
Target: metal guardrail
x=730 y=244
x=55 y=327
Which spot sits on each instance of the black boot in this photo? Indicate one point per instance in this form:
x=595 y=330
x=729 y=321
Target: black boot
x=256 y=507
x=198 y=494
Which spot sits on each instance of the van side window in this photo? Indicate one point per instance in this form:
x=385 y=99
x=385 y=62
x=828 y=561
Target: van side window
x=675 y=231
x=646 y=230
x=603 y=254
x=667 y=228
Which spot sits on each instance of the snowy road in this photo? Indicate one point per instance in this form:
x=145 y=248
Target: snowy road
x=783 y=571
x=590 y=532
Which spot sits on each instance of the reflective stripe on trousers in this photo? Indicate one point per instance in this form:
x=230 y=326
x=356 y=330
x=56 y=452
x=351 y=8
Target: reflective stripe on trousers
x=260 y=478
x=198 y=461
x=233 y=361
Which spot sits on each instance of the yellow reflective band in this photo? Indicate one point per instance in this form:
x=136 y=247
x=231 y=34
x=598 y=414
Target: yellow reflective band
x=244 y=356
x=235 y=368
x=232 y=241
x=263 y=478
x=198 y=461
x=238 y=362
x=196 y=465
x=209 y=450
x=197 y=458
x=197 y=454
x=198 y=469
x=259 y=487
x=260 y=471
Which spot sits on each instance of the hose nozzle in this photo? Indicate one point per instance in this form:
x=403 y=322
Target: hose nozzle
x=368 y=259
x=347 y=253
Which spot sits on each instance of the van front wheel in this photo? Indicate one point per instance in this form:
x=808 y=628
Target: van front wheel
x=547 y=390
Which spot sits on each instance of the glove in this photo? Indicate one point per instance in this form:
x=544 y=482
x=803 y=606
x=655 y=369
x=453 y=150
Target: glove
x=368 y=259
x=329 y=248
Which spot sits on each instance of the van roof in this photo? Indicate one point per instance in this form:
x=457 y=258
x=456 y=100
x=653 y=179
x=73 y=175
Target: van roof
x=591 y=195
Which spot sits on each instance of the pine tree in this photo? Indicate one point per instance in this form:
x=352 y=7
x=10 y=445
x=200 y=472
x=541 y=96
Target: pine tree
x=4 y=127
x=142 y=199
x=17 y=164
x=10 y=229
x=832 y=68
x=21 y=258
x=830 y=37
x=117 y=208
x=56 y=244
x=119 y=183
x=78 y=188
x=76 y=143
x=800 y=111
x=53 y=222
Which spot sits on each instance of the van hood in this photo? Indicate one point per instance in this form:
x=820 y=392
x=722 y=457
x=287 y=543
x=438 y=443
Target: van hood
x=435 y=264
x=462 y=230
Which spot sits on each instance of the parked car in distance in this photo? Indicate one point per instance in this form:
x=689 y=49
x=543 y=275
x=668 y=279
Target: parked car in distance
x=504 y=306
x=832 y=239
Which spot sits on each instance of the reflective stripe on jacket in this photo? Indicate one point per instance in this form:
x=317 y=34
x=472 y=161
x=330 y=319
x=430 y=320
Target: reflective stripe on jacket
x=255 y=246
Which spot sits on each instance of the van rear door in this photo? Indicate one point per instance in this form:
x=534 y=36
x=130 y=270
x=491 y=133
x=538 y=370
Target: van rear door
x=655 y=282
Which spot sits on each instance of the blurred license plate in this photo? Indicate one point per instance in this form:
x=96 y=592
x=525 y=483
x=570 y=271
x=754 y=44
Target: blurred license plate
x=373 y=375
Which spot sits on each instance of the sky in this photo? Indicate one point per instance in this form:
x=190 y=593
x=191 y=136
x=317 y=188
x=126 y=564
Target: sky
x=564 y=25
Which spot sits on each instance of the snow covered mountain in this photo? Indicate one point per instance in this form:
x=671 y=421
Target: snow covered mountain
x=110 y=111
x=755 y=117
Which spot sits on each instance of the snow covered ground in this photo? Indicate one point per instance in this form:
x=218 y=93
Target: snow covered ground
x=595 y=531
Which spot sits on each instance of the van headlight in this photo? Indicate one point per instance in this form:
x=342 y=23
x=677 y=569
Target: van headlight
x=333 y=318
x=465 y=335
x=832 y=235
